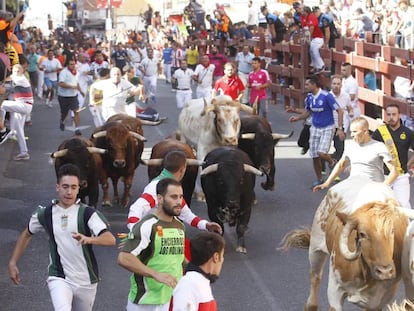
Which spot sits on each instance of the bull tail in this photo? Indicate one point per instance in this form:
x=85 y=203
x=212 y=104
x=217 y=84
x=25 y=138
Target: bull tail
x=298 y=238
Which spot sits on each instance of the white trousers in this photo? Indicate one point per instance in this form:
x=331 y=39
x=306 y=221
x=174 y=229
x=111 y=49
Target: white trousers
x=40 y=83
x=131 y=109
x=244 y=77
x=167 y=72
x=96 y=112
x=182 y=97
x=71 y=297
x=150 y=85
x=204 y=92
x=134 y=307
x=315 y=45
x=401 y=187
x=19 y=111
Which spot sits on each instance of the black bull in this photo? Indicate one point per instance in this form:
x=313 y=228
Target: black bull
x=228 y=179
x=258 y=141
x=81 y=152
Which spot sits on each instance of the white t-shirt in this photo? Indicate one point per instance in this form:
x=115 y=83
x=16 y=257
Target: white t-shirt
x=205 y=75
x=65 y=221
x=183 y=78
x=367 y=159
x=114 y=96
x=193 y=293
x=344 y=101
x=49 y=65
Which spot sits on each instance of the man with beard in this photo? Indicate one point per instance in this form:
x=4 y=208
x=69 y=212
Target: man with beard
x=218 y=60
x=230 y=84
x=193 y=291
x=154 y=251
x=398 y=139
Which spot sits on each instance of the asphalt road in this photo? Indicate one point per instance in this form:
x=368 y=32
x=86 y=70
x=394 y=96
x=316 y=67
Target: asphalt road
x=263 y=279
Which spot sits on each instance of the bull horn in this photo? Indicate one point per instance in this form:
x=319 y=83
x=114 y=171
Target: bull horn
x=147 y=122
x=281 y=136
x=59 y=154
x=246 y=108
x=209 y=169
x=137 y=136
x=207 y=108
x=249 y=136
x=343 y=243
x=194 y=162
x=99 y=134
x=251 y=169
x=152 y=162
x=256 y=101
x=96 y=150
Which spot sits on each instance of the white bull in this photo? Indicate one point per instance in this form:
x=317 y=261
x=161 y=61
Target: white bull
x=360 y=226
x=208 y=126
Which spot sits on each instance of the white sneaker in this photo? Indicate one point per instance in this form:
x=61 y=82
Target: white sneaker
x=22 y=157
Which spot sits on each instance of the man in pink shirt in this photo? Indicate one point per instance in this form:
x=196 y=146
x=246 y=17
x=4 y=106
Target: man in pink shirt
x=310 y=23
x=258 y=81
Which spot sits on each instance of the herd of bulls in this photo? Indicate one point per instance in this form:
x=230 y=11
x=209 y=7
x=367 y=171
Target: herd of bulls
x=358 y=225
x=231 y=150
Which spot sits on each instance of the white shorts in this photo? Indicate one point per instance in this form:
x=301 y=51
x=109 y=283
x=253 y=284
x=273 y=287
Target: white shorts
x=71 y=297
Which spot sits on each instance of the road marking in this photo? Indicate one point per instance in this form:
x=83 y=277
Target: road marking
x=257 y=279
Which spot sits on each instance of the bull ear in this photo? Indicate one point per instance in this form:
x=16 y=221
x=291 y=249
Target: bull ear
x=281 y=136
x=152 y=162
x=59 y=154
x=249 y=136
x=209 y=169
x=99 y=134
x=137 y=136
x=251 y=169
x=96 y=150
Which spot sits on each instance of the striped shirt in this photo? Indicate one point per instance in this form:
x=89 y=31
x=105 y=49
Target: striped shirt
x=22 y=89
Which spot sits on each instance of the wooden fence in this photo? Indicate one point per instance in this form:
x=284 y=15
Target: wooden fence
x=363 y=55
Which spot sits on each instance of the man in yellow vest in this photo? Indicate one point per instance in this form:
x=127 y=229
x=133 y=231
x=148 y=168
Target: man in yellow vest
x=398 y=139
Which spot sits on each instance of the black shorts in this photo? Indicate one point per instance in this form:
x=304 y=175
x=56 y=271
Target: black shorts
x=68 y=103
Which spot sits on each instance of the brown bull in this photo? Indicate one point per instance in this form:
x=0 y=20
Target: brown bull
x=124 y=149
x=160 y=150
x=360 y=226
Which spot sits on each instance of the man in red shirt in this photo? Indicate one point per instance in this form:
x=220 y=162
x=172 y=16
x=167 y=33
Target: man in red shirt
x=230 y=84
x=310 y=23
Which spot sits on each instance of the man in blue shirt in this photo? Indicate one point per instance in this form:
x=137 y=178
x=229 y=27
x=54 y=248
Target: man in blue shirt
x=167 y=62
x=321 y=105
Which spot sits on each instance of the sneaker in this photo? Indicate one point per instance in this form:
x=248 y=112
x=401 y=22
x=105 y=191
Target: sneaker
x=48 y=102
x=78 y=132
x=5 y=135
x=62 y=126
x=22 y=157
x=304 y=150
